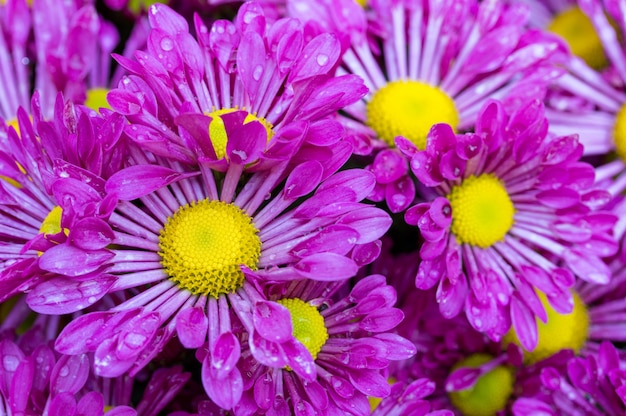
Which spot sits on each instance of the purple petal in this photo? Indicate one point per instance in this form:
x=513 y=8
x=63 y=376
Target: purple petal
x=140 y=180
x=162 y=17
x=272 y=321
x=225 y=354
x=92 y=404
x=388 y=166
x=370 y=383
x=225 y=392
x=91 y=234
x=303 y=179
x=326 y=267
x=587 y=266
x=382 y=320
x=299 y=359
x=524 y=323
x=63 y=404
x=69 y=374
x=61 y=295
x=71 y=261
x=559 y=198
x=317 y=57
x=191 y=326
x=335 y=238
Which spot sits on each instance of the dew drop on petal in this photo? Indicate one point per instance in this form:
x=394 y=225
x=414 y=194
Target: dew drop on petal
x=322 y=59
x=258 y=71
x=64 y=371
x=166 y=44
x=10 y=362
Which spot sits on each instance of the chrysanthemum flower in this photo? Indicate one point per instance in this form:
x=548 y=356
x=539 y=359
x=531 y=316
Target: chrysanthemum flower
x=180 y=242
x=334 y=346
x=182 y=88
x=438 y=62
x=34 y=214
x=509 y=212
x=567 y=20
x=593 y=385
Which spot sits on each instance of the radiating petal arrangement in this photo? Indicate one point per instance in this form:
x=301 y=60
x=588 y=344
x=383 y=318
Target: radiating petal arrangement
x=301 y=207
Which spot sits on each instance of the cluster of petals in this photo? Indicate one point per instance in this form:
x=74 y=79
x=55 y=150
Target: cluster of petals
x=483 y=51
x=559 y=233
x=349 y=365
x=271 y=71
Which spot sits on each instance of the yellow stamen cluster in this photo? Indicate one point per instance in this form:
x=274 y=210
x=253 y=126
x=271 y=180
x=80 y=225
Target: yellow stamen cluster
x=308 y=324
x=409 y=109
x=97 y=98
x=490 y=393
x=203 y=245
x=52 y=223
x=576 y=29
x=217 y=130
x=619 y=133
x=561 y=331
x=482 y=211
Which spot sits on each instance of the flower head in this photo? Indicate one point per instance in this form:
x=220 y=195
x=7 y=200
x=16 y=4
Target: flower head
x=333 y=348
x=437 y=63
x=509 y=212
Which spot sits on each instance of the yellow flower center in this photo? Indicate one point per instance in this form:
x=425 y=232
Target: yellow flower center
x=308 y=324
x=482 y=211
x=217 y=130
x=490 y=393
x=619 y=133
x=203 y=245
x=578 y=32
x=137 y=6
x=52 y=223
x=97 y=98
x=361 y=3
x=562 y=331
x=409 y=109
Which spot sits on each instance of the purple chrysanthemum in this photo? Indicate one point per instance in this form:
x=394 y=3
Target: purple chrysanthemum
x=181 y=88
x=593 y=385
x=33 y=211
x=330 y=348
x=509 y=211
x=181 y=241
x=428 y=62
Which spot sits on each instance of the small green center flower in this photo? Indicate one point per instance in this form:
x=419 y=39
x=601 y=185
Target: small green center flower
x=576 y=29
x=482 y=211
x=308 y=324
x=562 y=331
x=217 y=130
x=490 y=393
x=97 y=99
x=202 y=246
x=409 y=109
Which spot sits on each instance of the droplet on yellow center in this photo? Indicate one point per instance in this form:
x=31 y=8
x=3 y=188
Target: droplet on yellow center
x=619 y=133
x=409 y=109
x=482 y=211
x=97 y=99
x=203 y=245
x=491 y=392
x=561 y=331
x=308 y=324
x=576 y=29
x=217 y=130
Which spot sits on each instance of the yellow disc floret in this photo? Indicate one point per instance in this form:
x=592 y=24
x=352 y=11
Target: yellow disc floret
x=203 y=245
x=52 y=223
x=409 y=109
x=561 y=331
x=490 y=393
x=97 y=99
x=308 y=324
x=482 y=211
x=576 y=29
x=619 y=133
x=217 y=130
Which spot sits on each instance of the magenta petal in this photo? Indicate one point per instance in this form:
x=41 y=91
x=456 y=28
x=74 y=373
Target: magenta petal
x=326 y=267
x=388 y=166
x=71 y=261
x=264 y=391
x=587 y=266
x=300 y=360
x=317 y=57
x=429 y=273
x=400 y=194
x=335 y=238
x=137 y=334
x=370 y=383
x=524 y=323
x=63 y=404
x=106 y=363
x=246 y=141
x=526 y=406
x=69 y=374
x=225 y=392
x=303 y=179
x=91 y=234
x=92 y=404
x=559 y=198
x=382 y=320
x=191 y=326
x=371 y=223
x=397 y=347
x=225 y=354
x=139 y=180
x=266 y=352
x=360 y=181
x=61 y=295
x=162 y=17
x=272 y=321
x=124 y=102
x=462 y=378
x=21 y=384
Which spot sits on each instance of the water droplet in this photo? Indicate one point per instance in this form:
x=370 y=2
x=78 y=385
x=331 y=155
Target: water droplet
x=10 y=362
x=258 y=71
x=167 y=44
x=322 y=59
x=64 y=371
x=91 y=299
